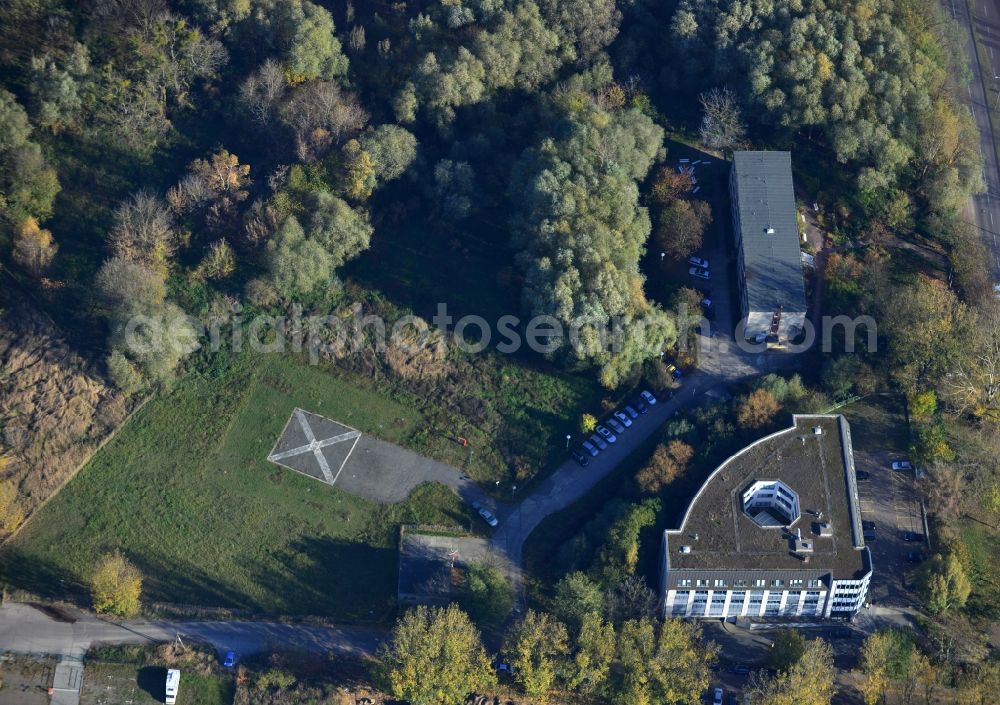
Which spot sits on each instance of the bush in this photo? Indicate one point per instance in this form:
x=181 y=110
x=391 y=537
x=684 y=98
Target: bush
x=116 y=586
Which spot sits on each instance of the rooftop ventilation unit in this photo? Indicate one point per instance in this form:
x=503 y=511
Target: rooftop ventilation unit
x=685 y=549
x=769 y=230
x=824 y=529
x=818 y=430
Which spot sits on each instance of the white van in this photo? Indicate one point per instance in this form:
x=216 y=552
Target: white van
x=173 y=682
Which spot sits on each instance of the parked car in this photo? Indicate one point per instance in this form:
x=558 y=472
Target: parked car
x=698 y=262
x=915 y=557
x=579 y=457
x=230 y=659
x=861 y=475
x=648 y=397
x=504 y=668
x=902 y=465
x=869 y=536
x=623 y=418
x=868 y=525
x=615 y=426
x=913 y=536
x=733 y=699
x=599 y=442
x=631 y=412
x=487 y=516
x=590 y=448
x=717 y=700
x=640 y=405
x=608 y=436
x=699 y=272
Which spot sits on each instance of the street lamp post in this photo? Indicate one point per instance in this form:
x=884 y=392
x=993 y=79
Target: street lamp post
x=662 y=255
x=568 y=437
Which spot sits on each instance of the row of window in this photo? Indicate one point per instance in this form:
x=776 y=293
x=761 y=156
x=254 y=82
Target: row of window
x=759 y=582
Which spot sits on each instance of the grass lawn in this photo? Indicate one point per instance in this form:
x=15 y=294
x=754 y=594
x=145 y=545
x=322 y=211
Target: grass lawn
x=185 y=491
x=983 y=544
x=128 y=684
x=878 y=423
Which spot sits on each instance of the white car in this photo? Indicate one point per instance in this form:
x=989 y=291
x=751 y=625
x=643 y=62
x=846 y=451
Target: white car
x=698 y=262
x=718 y=697
x=608 y=436
x=902 y=465
x=649 y=398
x=699 y=272
x=623 y=417
x=488 y=517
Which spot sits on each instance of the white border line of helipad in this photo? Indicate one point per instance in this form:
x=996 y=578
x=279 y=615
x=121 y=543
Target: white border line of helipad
x=294 y=416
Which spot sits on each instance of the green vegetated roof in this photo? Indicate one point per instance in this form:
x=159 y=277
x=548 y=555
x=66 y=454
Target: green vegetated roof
x=817 y=468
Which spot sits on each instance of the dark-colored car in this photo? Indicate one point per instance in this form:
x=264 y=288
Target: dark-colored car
x=861 y=475
x=914 y=557
x=913 y=536
x=868 y=525
x=640 y=405
x=869 y=536
x=579 y=457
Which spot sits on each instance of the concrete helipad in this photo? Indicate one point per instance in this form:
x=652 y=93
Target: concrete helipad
x=341 y=456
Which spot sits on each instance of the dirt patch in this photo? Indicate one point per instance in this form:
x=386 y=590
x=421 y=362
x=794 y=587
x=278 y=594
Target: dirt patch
x=24 y=681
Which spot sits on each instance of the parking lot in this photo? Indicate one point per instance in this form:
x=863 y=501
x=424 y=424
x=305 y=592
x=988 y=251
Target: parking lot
x=888 y=498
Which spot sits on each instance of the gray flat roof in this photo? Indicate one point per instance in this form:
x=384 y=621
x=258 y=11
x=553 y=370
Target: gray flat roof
x=819 y=468
x=773 y=261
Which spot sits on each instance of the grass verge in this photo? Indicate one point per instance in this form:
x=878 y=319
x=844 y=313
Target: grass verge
x=185 y=491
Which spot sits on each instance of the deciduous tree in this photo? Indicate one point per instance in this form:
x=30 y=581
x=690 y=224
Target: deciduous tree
x=537 y=647
x=34 y=248
x=435 y=657
x=116 y=586
x=757 y=409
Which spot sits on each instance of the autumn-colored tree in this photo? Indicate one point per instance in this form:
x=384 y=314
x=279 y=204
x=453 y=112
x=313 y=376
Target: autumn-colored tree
x=116 y=586
x=943 y=583
x=223 y=174
x=922 y=405
x=357 y=171
x=219 y=262
x=809 y=680
x=669 y=185
x=681 y=227
x=588 y=422
x=757 y=409
x=593 y=654
x=662 y=663
x=34 y=247
x=537 y=647
x=435 y=657
x=667 y=463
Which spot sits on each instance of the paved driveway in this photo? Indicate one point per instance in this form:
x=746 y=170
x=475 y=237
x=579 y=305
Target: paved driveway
x=889 y=499
x=23 y=629
x=570 y=482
